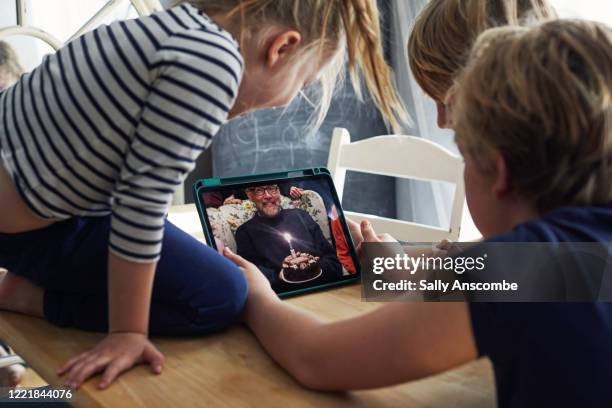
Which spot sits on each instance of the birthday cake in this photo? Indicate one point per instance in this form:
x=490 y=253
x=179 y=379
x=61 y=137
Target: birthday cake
x=302 y=267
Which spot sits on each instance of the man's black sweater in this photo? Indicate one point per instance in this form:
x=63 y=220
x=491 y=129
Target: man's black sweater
x=261 y=240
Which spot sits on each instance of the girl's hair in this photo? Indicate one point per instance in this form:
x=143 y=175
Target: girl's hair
x=329 y=25
x=445 y=31
x=542 y=98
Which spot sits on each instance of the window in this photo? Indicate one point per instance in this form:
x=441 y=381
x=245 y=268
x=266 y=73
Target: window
x=60 y=18
x=590 y=9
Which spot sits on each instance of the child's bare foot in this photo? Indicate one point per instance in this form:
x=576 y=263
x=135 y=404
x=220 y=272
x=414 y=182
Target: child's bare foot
x=17 y=294
x=10 y=376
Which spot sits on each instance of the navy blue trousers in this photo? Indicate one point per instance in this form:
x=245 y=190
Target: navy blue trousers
x=196 y=290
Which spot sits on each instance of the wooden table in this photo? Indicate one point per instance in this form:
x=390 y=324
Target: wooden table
x=231 y=369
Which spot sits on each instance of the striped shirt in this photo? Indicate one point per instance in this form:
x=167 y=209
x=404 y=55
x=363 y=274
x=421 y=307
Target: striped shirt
x=113 y=122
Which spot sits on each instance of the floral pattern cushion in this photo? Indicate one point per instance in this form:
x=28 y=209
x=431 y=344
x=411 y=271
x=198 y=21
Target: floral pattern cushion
x=226 y=219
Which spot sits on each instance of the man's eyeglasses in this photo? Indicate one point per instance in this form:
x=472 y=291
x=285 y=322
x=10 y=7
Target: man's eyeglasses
x=260 y=191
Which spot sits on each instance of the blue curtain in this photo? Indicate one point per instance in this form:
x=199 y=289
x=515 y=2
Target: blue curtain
x=428 y=203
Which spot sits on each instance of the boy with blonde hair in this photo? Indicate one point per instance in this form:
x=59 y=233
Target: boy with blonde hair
x=532 y=115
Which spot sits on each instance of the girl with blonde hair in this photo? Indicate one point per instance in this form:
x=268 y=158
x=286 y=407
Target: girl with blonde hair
x=95 y=141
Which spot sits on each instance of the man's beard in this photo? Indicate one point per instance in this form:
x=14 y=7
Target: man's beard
x=269 y=210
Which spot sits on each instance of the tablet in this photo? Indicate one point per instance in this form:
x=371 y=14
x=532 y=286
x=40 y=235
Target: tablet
x=290 y=225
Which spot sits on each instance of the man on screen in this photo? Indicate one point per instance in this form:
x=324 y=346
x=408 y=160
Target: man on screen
x=268 y=238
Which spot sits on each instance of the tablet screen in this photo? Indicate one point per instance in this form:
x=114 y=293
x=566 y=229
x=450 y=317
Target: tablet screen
x=291 y=229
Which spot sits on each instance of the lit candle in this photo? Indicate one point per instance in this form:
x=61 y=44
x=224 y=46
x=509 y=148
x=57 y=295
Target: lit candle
x=288 y=238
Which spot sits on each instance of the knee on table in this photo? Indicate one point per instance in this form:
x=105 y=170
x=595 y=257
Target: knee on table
x=220 y=302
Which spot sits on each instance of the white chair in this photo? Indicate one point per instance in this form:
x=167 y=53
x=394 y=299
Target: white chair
x=406 y=157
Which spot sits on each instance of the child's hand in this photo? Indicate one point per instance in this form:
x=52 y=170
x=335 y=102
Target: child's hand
x=355 y=230
x=444 y=245
x=441 y=248
x=369 y=235
x=118 y=352
x=257 y=281
x=365 y=233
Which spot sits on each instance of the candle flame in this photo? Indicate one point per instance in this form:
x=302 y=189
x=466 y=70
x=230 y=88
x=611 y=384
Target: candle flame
x=287 y=236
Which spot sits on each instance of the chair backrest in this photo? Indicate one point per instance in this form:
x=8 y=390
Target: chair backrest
x=406 y=157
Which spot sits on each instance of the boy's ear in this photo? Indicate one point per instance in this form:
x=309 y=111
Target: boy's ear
x=501 y=185
x=284 y=44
